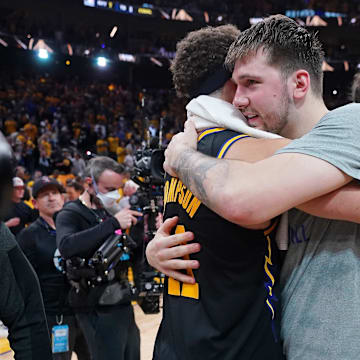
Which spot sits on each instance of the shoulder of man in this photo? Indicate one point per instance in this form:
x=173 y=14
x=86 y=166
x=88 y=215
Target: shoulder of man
x=78 y=208
x=24 y=207
x=27 y=236
x=348 y=112
x=7 y=239
x=210 y=143
x=33 y=228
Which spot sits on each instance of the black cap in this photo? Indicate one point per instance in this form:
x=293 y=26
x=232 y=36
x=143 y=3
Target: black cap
x=44 y=182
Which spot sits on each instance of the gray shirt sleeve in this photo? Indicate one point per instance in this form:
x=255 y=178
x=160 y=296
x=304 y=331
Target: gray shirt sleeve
x=335 y=139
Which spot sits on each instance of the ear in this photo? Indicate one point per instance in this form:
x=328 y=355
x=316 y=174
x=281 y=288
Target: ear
x=301 y=84
x=34 y=203
x=88 y=180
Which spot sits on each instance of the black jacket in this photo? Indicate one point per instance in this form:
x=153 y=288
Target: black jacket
x=21 y=307
x=81 y=231
x=38 y=242
x=24 y=212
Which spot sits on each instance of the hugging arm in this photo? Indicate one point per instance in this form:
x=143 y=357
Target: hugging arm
x=206 y=176
x=246 y=193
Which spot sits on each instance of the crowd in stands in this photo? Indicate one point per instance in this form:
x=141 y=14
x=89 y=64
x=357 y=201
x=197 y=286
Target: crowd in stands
x=54 y=125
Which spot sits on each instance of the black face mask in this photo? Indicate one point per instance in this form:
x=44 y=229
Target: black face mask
x=6 y=175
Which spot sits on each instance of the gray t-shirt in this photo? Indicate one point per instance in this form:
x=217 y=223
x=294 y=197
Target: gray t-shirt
x=321 y=274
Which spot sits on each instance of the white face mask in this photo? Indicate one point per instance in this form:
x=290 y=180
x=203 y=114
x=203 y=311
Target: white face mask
x=109 y=199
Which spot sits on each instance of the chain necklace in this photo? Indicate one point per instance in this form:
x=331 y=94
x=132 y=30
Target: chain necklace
x=98 y=218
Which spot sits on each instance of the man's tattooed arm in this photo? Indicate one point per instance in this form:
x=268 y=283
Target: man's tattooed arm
x=204 y=175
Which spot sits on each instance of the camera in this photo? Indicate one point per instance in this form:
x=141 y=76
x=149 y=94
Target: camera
x=113 y=254
x=148 y=167
x=115 y=251
x=148 y=173
x=103 y=279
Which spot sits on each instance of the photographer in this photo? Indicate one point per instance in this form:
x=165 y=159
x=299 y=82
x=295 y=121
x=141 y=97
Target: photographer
x=82 y=227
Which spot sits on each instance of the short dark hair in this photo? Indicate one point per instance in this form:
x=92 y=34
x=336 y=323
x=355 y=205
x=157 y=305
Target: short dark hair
x=97 y=165
x=76 y=185
x=355 y=88
x=288 y=46
x=199 y=54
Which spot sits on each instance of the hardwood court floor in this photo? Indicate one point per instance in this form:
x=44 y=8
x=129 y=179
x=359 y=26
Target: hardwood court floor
x=148 y=325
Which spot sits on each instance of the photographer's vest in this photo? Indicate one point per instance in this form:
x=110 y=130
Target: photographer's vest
x=232 y=310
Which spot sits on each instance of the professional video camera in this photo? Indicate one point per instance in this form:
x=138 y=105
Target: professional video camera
x=149 y=175
x=116 y=249
x=104 y=277
x=149 y=166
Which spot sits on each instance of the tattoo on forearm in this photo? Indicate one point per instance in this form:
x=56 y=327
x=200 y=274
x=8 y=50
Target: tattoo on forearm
x=193 y=169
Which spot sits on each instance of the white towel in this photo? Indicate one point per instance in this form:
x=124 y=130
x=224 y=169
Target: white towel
x=207 y=111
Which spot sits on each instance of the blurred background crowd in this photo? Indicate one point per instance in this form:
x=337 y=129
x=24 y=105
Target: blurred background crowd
x=53 y=124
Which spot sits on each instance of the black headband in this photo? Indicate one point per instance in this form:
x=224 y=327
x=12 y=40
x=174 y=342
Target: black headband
x=211 y=83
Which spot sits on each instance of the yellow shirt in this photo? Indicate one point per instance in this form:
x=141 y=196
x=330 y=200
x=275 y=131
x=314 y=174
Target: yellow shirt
x=113 y=143
x=63 y=177
x=101 y=146
x=21 y=138
x=31 y=131
x=121 y=153
x=47 y=147
x=10 y=126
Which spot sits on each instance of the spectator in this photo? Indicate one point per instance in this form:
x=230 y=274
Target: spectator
x=129 y=159
x=102 y=146
x=78 y=165
x=73 y=189
x=113 y=142
x=121 y=152
x=38 y=242
x=19 y=213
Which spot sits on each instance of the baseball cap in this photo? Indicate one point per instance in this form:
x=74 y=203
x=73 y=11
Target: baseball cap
x=44 y=182
x=17 y=182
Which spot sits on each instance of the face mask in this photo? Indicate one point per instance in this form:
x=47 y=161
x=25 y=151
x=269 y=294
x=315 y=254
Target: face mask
x=109 y=199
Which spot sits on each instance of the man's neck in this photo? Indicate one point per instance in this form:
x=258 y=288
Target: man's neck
x=50 y=221
x=304 y=119
x=90 y=200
